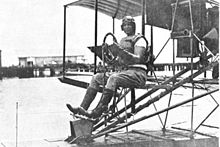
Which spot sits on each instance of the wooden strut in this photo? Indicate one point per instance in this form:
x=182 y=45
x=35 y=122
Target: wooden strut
x=151 y=135
x=146 y=95
x=142 y=98
x=162 y=94
x=148 y=116
x=200 y=133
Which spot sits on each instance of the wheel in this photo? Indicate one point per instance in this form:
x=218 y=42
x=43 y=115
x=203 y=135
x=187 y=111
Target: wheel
x=107 y=54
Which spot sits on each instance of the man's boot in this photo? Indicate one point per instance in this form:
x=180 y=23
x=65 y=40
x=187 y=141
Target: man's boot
x=87 y=100
x=103 y=104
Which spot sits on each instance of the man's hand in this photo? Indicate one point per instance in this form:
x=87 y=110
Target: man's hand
x=124 y=57
x=114 y=48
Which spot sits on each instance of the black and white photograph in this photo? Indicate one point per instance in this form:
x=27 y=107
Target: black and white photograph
x=109 y=73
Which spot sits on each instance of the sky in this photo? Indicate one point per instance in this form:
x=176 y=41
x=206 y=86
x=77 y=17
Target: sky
x=30 y=28
x=35 y=28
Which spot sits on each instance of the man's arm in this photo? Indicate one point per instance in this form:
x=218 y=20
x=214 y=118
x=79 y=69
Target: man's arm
x=132 y=58
x=137 y=57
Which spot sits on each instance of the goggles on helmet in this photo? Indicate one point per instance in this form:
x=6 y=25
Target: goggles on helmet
x=128 y=19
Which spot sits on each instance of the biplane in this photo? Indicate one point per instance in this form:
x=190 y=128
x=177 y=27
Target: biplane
x=194 y=30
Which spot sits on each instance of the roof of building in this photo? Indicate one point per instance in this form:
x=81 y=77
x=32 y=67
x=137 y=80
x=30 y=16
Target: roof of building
x=50 y=56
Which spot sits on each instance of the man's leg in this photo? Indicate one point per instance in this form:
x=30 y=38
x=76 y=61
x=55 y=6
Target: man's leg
x=87 y=100
x=128 y=79
x=90 y=94
x=107 y=95
x=101 y=107
x=103 y=103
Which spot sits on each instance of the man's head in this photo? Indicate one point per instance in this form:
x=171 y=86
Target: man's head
x=128 y=25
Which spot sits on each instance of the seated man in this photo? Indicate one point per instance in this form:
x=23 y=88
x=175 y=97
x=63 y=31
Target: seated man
x=132 y=60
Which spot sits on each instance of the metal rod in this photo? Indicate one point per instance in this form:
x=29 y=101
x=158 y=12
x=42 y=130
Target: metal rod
x=162 y=94
x=178 y=133
x=192 y=54
x=113 y=25
x=195 y=132
x=118 y=138
x=159 y=96
x=174 y=15
x=166 y=117
x=151 y=115
x=123 y=95
x=104 y=76
x=217 y=105
x=177 y=85
x=151 y=135
x=209 y=126
x=158 y=114
x=96 y=34
x=206 y=118
x=214 y=99
x=16 y=124
x=152 y=39
x=164 y=127
x=126 y=113
x=154 y=103
x=132 y=100
x=174 y=58
x=64 y=40
x=191 y=16
x=162 y=48
x=143 y=17
x=144 y=96
x=192 y=110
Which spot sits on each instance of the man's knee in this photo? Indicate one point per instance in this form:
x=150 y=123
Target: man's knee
x=112 y=82
x=113 y=78
x=96 y=80
x=97 y=76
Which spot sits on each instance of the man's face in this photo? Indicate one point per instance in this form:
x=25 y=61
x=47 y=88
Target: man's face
x=128 y=29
